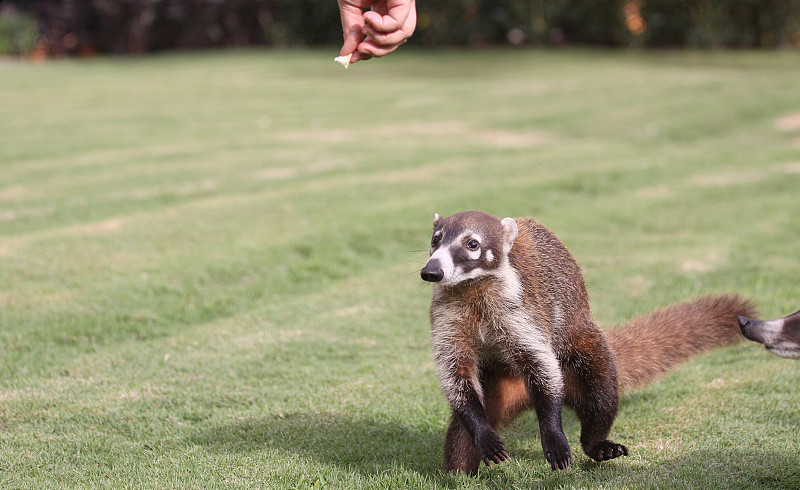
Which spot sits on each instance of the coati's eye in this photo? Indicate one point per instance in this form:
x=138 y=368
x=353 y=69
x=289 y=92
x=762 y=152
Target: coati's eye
x=435 y=240
x=473 y=245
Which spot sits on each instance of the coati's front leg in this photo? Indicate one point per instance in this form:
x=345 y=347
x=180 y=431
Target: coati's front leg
x=545 y=386
x=471 y=437
x=548 y=405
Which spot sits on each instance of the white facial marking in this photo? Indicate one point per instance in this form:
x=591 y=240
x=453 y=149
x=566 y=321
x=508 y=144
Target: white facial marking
x=453 y=272
x=789 y=351
x=460 y=276
x=489 y=256
x=770 y=331
x=772 y=336
x=465 y=238
x=445 y=262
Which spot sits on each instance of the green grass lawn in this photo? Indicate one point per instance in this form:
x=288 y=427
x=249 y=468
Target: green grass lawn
x=209 y=262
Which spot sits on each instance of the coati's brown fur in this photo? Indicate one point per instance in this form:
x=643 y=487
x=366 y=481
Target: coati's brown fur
x=512 y=329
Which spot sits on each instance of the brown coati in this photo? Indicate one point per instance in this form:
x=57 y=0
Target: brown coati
x=511 y=329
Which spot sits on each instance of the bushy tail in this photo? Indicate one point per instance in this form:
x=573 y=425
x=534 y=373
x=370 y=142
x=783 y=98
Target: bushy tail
x=648 y=346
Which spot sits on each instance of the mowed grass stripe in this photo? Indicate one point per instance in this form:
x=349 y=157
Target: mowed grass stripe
x=209 y=269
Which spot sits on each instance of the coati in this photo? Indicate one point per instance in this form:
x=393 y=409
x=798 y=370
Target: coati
x=511 y=329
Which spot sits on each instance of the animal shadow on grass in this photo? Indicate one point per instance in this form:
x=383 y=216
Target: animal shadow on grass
x=719 y=468
x=372 y=447
x=365 y=445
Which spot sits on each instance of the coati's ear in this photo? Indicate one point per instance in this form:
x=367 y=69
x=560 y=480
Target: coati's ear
x=436 y=219
x=510 y=231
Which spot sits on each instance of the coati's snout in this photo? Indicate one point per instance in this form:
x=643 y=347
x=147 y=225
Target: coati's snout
x=468 y=246
x=432 y=272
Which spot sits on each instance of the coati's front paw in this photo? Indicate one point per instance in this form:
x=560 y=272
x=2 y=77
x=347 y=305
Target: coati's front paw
x=556 y=451
x=491 y=448
x=605 y=450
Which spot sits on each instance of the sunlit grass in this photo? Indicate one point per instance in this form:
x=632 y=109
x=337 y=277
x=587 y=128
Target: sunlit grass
x=209 y=262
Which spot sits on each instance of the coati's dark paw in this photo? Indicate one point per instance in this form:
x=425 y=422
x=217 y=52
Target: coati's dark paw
x=491 y=448
x=556 y=451
x=605 y=450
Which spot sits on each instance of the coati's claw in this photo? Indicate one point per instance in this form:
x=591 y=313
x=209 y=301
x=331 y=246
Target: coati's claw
x=560 y=462
x=497 y=459
x=557 y=453
x=492 y=449
x=605 y=450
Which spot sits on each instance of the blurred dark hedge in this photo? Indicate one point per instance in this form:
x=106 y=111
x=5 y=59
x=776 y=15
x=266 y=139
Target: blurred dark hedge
x=722 y=23
x=55 y=27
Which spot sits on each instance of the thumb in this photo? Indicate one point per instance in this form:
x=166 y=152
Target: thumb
x=352 y=38
x=352 y=28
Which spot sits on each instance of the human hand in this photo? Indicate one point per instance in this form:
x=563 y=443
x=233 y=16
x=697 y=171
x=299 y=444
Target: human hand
x=377 y=32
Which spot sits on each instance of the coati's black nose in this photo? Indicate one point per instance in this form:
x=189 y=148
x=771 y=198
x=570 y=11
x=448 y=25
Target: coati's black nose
x=744 y=321
x=432 y=272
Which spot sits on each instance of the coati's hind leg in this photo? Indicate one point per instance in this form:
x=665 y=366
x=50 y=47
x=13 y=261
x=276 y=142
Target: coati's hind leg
x=592 y=392
x=504 y=398
x=460 y=454
x=471 y=439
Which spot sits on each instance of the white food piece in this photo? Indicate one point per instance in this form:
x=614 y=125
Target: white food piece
x=344 y=60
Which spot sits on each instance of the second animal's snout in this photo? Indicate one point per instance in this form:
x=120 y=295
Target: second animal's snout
x=747 y=327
